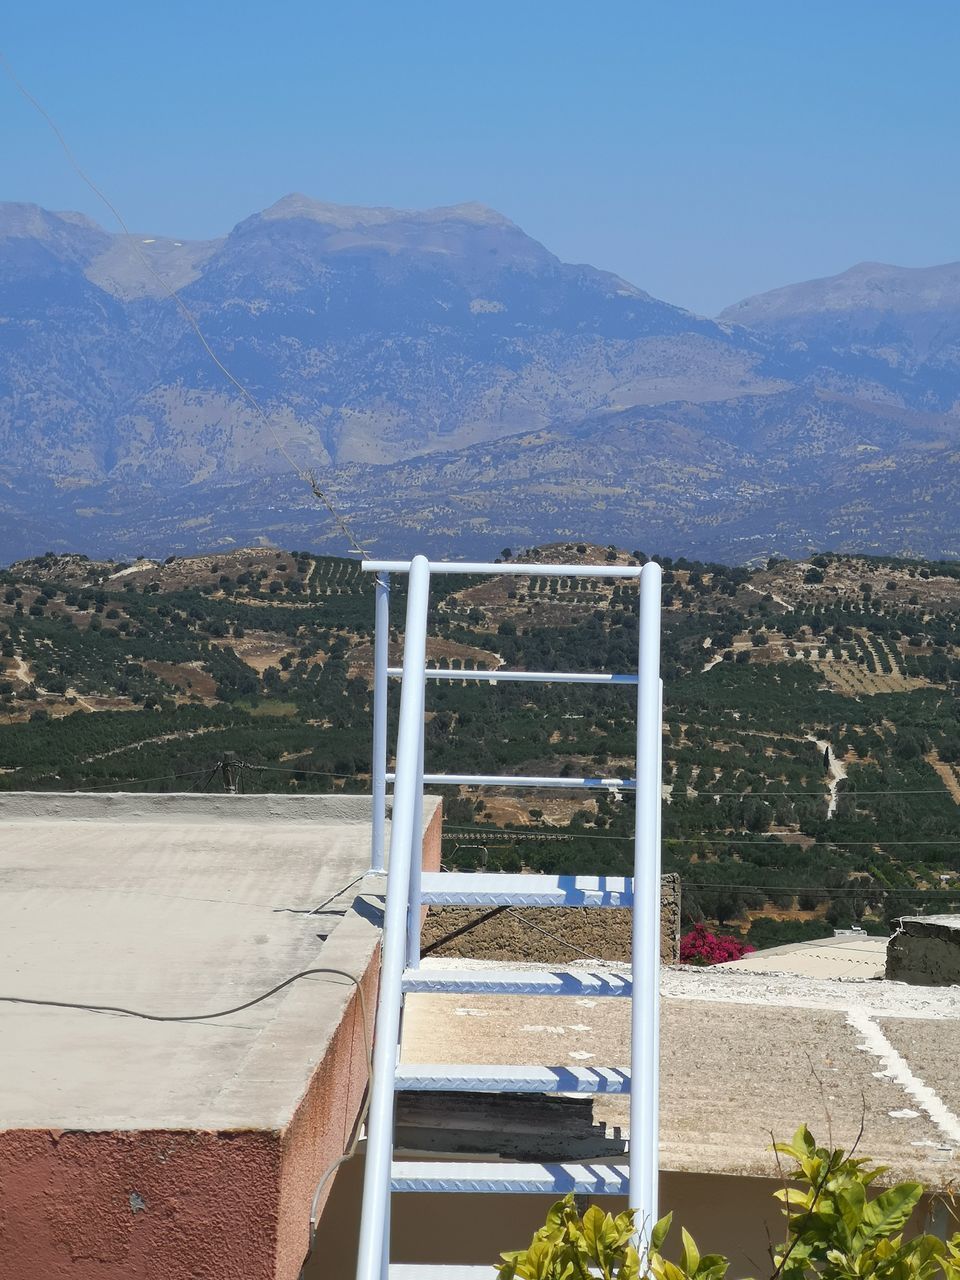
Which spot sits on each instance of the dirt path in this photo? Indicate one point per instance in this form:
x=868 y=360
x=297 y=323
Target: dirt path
x=838 y=771
x=20 y=670
x=146 y=742
x=947 y=774
x=81 y=700
x=778 y=599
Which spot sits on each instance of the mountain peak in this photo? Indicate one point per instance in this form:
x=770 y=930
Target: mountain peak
x=347 y=217
x=864 y=287
x=30 y=220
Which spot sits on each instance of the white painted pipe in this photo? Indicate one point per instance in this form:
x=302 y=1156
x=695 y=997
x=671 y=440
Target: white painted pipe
x=376 y=1187
x=645 y=955
x=535 y=677
x=523 y=781
x=381 y=644
x=517 y=570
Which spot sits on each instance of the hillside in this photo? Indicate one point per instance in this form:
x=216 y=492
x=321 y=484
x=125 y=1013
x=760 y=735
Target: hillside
x=812 y=736
x=454 y=383
x=886 y=333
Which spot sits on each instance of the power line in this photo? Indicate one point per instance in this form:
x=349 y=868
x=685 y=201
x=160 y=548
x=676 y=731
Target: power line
x=703 y=839
x=825 y=892
x=167 y=777
x=307 y=476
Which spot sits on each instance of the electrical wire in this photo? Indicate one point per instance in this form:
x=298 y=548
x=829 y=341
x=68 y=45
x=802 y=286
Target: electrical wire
x=186 y=1017
x=701 y=839
x=351 y=1150
x=806 y=888
x=304 y=474
x=139 y=782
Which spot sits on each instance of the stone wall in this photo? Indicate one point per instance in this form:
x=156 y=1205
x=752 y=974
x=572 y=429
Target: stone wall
x=549 y=935
x=925 y=951
x=670 y=919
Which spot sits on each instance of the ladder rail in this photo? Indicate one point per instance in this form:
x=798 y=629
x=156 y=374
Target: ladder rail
x=381 y=657
x=372 y=1256
x=645 y=949
x=534 y=677
x=468 y=568
x=525 y=781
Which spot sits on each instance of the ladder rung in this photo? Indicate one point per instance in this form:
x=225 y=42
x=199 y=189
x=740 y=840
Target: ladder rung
x=515 y=1179
x=523 y=982
x=521 y=782
x=496 y=889
x=534 y=677
x=423 y=1078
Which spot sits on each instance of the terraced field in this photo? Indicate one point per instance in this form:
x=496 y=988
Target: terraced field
x=811 y=731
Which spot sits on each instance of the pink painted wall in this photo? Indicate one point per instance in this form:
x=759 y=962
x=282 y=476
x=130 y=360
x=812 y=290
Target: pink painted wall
x=321 y=1127
x=159 y=1205
x=138 y=1205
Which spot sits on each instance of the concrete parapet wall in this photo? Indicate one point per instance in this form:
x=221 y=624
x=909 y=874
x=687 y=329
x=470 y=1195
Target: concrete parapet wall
x=125 y=806
x=925 y=951
x=221 y=1201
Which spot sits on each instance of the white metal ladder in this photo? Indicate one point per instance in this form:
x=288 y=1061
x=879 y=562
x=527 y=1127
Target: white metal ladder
x=409 y=889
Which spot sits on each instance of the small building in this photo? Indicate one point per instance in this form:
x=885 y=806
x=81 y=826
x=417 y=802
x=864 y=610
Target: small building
x=190 y=1142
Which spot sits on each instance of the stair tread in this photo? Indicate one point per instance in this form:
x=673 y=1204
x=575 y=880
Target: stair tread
x=534 y=982
x=490 y=1078
x=506 y=1177
x=490 y=889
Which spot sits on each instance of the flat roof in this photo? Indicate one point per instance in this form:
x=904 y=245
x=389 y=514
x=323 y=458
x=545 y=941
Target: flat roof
x=849 y=955
x=173 y=905
x=744 y=1055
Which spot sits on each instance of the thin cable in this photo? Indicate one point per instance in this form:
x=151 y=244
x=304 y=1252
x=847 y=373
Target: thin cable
x=308 y=477
x=186 y=1017
x=315 y=911
x=693 y=840
x=108 y=786
x=701 y=839
x=313 y=773
x=546 y=933
x=950 y=894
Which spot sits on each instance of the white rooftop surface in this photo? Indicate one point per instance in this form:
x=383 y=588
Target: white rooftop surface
x=847 y=956
x=175 y=905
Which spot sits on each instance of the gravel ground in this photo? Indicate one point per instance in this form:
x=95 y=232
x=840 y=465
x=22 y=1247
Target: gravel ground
x=731 y=986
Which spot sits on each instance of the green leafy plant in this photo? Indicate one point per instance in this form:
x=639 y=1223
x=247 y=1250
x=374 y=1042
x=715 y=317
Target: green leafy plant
x=569 y=1247
x=834 y=1230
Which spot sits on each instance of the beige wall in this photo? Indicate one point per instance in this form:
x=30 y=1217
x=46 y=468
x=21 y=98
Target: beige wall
x=726 y=1215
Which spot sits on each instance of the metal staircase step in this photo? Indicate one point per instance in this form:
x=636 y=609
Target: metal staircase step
x=517 y=1179
x=423 y=1078
x=499 y=889
x=521 y=982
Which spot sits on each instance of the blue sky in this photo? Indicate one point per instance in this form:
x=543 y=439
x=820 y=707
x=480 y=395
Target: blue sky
x=706 y=151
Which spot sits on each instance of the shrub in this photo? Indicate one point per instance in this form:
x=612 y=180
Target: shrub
x=833 y=1231
x=702 y=947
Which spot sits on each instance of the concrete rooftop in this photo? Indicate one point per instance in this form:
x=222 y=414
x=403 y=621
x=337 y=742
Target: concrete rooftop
x=744 y=1055
x=847 y=956
x=175 y=904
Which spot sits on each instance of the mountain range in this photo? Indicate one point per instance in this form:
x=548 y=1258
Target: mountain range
x=455 y=387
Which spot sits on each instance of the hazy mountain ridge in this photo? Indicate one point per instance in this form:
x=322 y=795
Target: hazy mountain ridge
x=892 y=331
x=454 y=380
